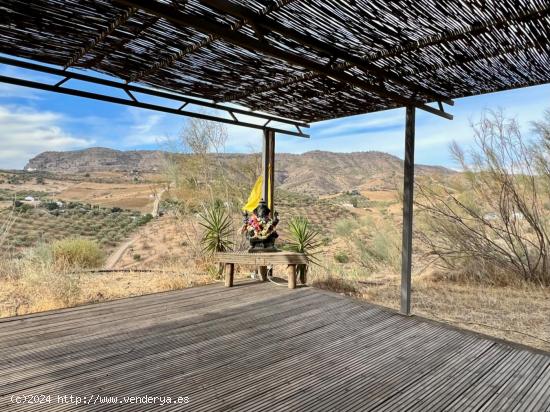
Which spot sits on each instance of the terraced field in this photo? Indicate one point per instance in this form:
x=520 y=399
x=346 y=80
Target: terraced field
x=107 y=226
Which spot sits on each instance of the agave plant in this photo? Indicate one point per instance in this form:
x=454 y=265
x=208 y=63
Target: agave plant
x=217 y=229
x=304 y=239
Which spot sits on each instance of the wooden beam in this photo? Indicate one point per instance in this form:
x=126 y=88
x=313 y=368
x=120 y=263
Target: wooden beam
x=270 y=25
x=395 y=51
x=119 y=20
x=271 y=195
x=199 y=23
x=262 y=88
x=148 y=91
x=408 y=186
x=170 y=60
x=265 y=166
x=132 y=103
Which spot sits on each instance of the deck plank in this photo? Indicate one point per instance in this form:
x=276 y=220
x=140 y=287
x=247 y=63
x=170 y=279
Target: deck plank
x=258 y=347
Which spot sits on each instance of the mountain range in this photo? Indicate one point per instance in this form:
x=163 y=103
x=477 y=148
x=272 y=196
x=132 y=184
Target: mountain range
x=315 y=172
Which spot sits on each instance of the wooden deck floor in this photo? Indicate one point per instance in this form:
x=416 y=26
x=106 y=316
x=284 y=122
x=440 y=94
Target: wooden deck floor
x=258 y=347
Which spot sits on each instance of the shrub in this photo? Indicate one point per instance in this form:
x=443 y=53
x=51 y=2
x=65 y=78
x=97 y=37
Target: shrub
x=77 y=252
x=143 y=220
x=383 y=249
x=345 y=227
x=341 y=257
x=51 y=205
x=304 y=239
x=136 y=256
x=218 y=229
x=41 y=280
x=23 y=207
x=497 y=229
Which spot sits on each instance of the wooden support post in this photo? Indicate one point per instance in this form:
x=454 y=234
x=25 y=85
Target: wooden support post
x=263 y=273
x=265 y=165
x=271 y=189
x=292 y=276
x=302 y=270
x=408 y=186
x=229 y=273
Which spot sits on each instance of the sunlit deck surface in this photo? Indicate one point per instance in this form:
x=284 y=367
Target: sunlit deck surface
x=262 y=347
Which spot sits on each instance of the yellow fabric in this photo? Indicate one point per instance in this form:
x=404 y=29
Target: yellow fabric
x=256 y=195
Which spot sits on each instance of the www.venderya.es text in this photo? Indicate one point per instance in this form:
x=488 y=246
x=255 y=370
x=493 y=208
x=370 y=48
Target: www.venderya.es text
x=94 y=399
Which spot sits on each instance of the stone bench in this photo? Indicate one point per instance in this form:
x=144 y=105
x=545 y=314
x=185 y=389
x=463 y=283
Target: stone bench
x=261 y=260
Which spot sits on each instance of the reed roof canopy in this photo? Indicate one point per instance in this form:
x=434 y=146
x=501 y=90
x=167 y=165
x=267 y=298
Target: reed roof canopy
x=286 y=63
x=306 y=60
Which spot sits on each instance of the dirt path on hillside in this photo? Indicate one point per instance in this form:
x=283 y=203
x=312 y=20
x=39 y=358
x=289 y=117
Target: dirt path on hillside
x=115 y=257
x=117 y=254
x=156 y=205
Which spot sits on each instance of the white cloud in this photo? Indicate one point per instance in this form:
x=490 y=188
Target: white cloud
x=387 y=119
x=10 y=91
x=139 y=127
x=243 y=139
x=25 y=132
x=144 y=124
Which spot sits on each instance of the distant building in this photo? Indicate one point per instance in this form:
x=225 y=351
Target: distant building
x=490 y=216
x=517 y=216
x=30 y=200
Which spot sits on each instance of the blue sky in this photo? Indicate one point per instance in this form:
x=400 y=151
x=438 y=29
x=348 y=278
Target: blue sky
x=33 y=121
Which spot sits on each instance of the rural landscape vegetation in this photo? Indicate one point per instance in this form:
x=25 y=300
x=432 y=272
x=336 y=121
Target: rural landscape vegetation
x=99 y=224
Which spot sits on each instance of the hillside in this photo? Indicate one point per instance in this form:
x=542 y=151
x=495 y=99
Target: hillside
x=315 y=172
x=96 y=159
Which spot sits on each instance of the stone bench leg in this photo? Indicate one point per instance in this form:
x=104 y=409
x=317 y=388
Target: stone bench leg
x=263 y=273
x=291 y=276
x=229 y=273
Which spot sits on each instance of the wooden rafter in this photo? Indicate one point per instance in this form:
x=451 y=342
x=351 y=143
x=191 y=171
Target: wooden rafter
x=305 y=98
x=498 y=52
x=170 y=60
x=348 y=59
x=95 y=62
x=448 y=37
x=119 y=20
x=452 y=48
x=403 y=48
x=179 y=19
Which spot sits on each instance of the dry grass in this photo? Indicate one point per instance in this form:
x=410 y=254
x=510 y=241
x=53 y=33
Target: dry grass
x=43 y=289
x=518 y=314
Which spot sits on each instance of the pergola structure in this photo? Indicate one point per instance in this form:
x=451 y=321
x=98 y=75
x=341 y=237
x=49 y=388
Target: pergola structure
x=278 y=65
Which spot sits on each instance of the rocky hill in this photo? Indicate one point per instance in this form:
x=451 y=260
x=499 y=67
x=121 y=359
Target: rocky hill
x=97 y=159
x=315 y=172
x=320 y=172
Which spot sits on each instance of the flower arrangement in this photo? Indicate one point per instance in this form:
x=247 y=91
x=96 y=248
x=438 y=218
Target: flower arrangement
x=258 y=227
